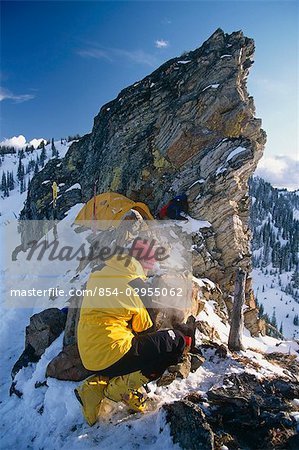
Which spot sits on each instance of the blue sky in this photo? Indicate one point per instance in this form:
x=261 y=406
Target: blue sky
x=61 y=61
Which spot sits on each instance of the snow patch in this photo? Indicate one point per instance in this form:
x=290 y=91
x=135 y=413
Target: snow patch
x=193 y=225
x=213 y=86
x=235 y=152
x=75 y=186
x=197 y=182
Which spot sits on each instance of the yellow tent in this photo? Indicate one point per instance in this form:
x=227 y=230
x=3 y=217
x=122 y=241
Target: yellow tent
x=110 y=206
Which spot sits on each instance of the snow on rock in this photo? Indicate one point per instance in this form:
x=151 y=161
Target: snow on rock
x=46 y=182
x=75 y=186
x=235 y=152
x=184 y=62
x=197 y=182
x=193 y=225
x=213 y=86
x=220 y=170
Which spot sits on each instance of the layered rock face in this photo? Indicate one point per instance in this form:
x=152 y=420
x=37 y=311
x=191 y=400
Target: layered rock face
x=189 y=126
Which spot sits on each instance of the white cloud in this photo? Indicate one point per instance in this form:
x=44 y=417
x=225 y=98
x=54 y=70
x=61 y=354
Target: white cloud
x=94 y=53
x=280 y=171
x=20 y=142
x=16 y=141
x=5 y=94
x=113 y=54
x=161 y=43
x=137 y=56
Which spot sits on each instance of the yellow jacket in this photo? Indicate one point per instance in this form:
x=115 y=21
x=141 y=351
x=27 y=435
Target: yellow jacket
x=106 y=323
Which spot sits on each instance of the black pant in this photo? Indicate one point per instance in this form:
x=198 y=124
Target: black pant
x=150 y=353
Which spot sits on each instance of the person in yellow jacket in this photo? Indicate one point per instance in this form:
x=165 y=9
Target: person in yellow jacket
x=54 y=193
x=110 y=346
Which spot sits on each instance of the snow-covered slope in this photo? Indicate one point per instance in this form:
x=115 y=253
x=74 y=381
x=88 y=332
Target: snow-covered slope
x=275 y=228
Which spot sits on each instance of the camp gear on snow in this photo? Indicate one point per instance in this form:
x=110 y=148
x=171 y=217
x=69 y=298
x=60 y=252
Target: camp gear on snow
x=126 y=389
x=104 y=335
x=144 y=253
x=109 y=207
x=163 y=211
x=175 y=208
x=90 y=394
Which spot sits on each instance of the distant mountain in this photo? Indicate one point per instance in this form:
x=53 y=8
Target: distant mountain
x=274 y=221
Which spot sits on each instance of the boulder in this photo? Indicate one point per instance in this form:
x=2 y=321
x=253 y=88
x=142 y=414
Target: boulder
x=188 y=426
x=67 y=365
x=43 y=329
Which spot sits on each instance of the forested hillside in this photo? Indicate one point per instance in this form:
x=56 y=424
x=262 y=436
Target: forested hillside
x=275 y=227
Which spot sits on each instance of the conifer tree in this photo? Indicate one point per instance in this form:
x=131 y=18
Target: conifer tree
x=11 y=181
x=3 y=182
x=20 y=171
x=54 y=150
x=43 y=155
x=273 y=319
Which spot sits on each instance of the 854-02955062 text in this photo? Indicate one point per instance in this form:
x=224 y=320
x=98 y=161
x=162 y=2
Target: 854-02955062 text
x=100 y=291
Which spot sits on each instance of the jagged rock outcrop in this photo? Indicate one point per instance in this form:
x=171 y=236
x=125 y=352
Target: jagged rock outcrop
x=246 y=412
x=188 y=126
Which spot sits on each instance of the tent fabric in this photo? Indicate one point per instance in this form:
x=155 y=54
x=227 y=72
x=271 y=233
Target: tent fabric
x=108 y=207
